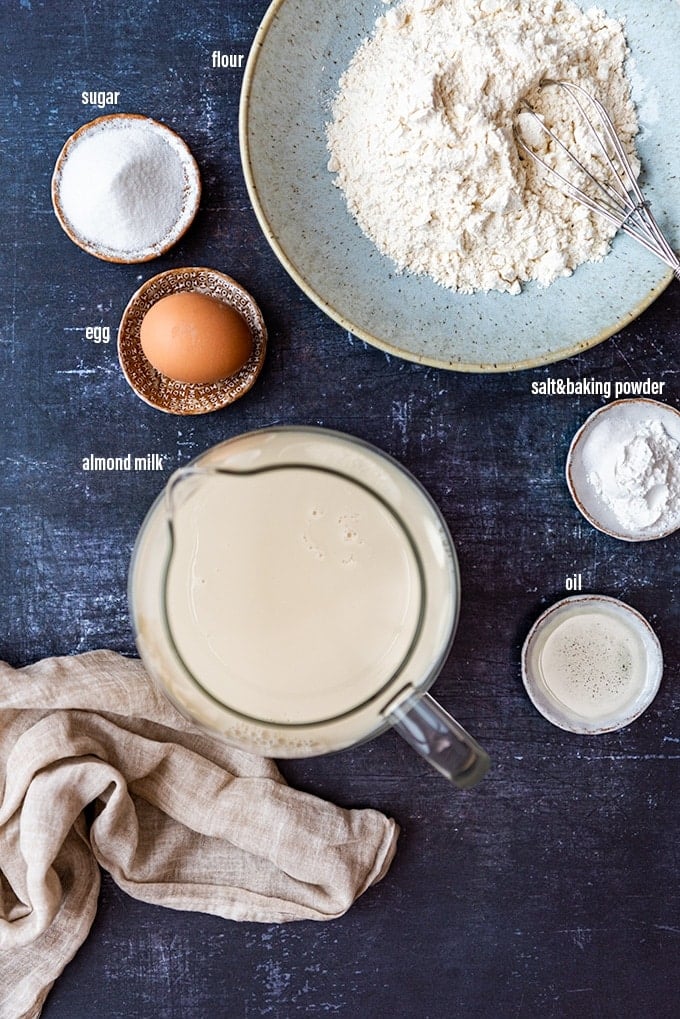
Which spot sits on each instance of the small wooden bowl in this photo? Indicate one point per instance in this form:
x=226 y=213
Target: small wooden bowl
x=183 y=397
x=192 y=189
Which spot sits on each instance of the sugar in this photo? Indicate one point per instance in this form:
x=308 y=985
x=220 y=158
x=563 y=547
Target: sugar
x=122 y=187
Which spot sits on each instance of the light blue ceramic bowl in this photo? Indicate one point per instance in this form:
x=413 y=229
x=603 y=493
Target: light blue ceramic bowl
x=297 y=57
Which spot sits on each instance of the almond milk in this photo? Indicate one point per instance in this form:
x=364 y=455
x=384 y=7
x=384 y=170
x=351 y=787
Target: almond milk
x=291 y=588
x=293 y=594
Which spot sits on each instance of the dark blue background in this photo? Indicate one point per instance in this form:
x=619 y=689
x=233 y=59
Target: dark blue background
x=550 y=890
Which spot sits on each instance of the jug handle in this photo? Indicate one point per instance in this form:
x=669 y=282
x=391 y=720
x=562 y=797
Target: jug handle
x=440 y=739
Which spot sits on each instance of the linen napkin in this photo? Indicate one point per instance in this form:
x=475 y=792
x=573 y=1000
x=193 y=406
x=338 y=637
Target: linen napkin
x=98 y=769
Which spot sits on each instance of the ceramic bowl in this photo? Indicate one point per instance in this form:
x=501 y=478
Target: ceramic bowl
x=293 y=69
x=584 y=494
x=556 y=711
x=183 y=397
x=192 y=188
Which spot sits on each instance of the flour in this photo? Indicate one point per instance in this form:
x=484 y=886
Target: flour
x=635 y=469
x=421 y=137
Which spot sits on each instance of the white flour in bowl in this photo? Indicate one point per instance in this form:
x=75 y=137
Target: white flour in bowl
x=421 y=137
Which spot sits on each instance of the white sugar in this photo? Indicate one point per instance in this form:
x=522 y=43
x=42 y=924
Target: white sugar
x=122 y=187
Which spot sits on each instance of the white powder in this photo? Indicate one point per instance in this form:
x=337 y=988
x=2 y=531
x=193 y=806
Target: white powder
x=122 y=186
x=422 y=144
x=634 y=466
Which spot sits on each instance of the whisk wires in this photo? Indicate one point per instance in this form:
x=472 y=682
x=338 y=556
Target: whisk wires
x=617 y=197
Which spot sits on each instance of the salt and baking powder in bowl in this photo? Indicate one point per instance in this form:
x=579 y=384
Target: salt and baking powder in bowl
x=125 y=188
x=623 y=469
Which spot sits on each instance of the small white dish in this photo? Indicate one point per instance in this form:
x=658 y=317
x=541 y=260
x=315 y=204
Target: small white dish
x=188 y=167
x=614 y=711
x=617 y=415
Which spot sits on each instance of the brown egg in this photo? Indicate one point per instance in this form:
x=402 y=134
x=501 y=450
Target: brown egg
x=191 y=337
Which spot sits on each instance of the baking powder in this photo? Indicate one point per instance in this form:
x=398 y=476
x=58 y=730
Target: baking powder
x=421 y=137
x=635 y=469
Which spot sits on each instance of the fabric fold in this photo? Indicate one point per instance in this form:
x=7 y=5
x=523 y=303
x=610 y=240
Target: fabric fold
x=98 y=769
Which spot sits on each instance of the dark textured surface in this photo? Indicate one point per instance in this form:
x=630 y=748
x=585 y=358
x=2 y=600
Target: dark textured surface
x=550 y=890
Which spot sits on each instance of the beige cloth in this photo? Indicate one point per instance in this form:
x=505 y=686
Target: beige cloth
x=177 y=818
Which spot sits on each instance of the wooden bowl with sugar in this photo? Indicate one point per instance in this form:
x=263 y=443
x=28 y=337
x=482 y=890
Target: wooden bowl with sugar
x=125 y=188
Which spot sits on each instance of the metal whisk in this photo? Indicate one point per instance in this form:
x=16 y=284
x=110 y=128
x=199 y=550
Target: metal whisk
x=619 y=199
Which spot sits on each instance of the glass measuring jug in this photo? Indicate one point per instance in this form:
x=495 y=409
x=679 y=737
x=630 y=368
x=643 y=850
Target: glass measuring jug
x=296 y=591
